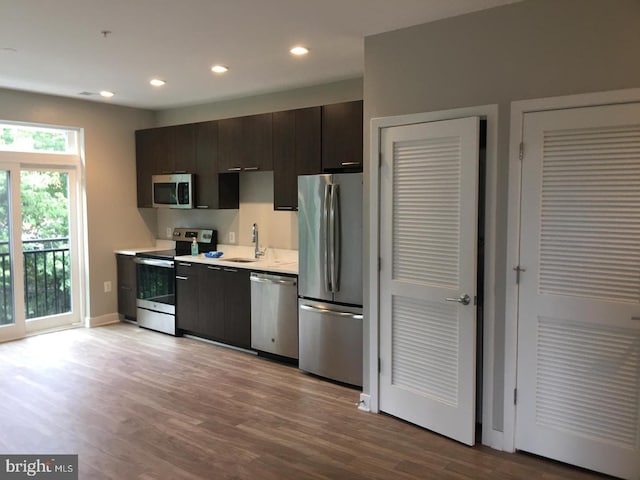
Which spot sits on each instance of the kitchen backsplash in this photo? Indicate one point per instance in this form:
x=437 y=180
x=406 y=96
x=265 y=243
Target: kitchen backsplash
x=278 y=229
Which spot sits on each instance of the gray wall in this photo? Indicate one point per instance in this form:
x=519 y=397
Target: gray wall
x=533 y=49
x=277 y=229
x=113 y=221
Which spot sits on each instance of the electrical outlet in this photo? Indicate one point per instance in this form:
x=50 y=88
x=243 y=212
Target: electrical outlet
x=232 y=237
x=169 y=232
x=107 y=286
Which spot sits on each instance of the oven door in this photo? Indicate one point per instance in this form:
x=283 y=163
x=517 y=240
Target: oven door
x=156 y=294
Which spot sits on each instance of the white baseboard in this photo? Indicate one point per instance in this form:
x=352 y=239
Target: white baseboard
x=365 y=402
x=107 y=319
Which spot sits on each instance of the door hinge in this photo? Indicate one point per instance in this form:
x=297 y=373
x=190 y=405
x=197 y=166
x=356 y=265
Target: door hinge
x=515 y=396
x=379 y=365
x=379 y=159
x=518 y=269
x=379 y=263
x=521 y=155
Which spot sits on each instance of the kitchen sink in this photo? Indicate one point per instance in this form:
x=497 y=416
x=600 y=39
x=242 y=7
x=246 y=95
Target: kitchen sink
x=240 y=260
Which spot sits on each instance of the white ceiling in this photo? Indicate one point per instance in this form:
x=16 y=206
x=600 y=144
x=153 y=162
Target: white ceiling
x=56 y=46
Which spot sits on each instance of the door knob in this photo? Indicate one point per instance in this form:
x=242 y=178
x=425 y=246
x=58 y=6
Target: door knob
x=463 y=299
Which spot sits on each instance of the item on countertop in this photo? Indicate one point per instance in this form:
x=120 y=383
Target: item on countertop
x=194 y=248
x=213 y=254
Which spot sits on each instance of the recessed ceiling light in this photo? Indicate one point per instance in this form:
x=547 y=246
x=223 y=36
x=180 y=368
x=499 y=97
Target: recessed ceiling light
x=107 y=94
x=156 y=82
x=219 y=69
x=299 y=50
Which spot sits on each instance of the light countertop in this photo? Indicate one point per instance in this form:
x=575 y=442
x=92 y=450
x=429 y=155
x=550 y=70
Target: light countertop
x=275 y=260
x=160 y=245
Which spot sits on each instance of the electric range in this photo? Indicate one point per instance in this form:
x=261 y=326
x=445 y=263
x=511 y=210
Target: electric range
x=156 y=278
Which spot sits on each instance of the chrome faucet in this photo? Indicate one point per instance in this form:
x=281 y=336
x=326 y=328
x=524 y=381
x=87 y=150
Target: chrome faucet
x=254 y=238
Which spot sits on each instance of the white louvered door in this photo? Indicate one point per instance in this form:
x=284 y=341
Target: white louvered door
x=579 y=306
x=428 y=244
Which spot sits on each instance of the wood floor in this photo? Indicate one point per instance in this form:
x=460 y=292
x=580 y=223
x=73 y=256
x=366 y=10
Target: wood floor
x=142 y=405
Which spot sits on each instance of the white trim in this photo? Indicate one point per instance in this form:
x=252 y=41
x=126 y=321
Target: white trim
x=107 y=319
x=518 y=110
x=44 y=159
x=73 y=165
x=490 y=113
x=17 y=329
x=365 y=401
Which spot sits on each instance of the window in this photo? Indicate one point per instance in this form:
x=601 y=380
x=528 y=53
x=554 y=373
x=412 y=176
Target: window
x=23 y=138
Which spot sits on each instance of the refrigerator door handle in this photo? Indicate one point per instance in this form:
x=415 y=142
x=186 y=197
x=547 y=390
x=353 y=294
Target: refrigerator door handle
x=331 y=240
x=335 y=238
x=325 y=237
x=327 y=311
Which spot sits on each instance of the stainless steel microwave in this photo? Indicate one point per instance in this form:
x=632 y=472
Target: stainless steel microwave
x=172 y=191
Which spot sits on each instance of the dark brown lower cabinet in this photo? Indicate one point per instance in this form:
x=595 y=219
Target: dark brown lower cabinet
x=217 y=304
x=212 y=302
x=187 y=296
x=237 y=307
x=126 y=286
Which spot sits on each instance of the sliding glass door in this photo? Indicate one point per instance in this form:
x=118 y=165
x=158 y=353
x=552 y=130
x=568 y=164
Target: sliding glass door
x=40 y=284
x=48 y=247
x=39 y=250
x=7 y=318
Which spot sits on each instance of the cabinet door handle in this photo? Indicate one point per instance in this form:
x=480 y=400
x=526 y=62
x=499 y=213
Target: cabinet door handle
x=180 y=277
x=234 y=169
x=250 y=169
x=285 y=208
x=232 y=270
x=202 y=206
x=184 y=264
x=214 y=268
x=349 y=164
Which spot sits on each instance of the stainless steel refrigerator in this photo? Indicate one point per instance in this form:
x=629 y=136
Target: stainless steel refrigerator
x=330 y=276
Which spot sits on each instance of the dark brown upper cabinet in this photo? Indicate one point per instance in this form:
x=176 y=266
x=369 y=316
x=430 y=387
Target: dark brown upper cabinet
x=184 y=148
x=190 y=148
x=342 y=137
x=154 y=155
x=296 y=151
x=213 y=189
x=245 y=143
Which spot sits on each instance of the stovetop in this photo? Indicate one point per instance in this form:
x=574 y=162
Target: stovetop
x=207 y=241
x=163 y=254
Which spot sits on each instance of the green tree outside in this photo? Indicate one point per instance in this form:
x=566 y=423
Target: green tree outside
x=45 y=215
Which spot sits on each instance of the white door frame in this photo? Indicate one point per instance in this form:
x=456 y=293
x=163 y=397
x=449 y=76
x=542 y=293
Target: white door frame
x=73 y=164
x=490 y=436
x=518 y=109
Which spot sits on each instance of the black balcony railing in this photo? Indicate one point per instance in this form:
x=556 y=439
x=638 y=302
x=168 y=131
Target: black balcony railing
x=47 y=278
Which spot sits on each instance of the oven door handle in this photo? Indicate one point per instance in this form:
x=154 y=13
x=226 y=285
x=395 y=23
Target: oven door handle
x=154 y=262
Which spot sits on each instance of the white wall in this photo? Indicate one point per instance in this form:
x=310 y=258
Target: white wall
x=533 y=49
x=113 y=221
x=278 y=229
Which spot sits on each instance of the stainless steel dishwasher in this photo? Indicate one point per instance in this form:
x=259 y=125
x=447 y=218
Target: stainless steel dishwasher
x=274 y=314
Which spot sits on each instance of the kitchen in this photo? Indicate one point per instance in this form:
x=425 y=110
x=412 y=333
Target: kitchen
x=500 y=77
x=305 y=141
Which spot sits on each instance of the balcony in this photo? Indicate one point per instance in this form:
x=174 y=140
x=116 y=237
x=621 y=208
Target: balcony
x=47 y=279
